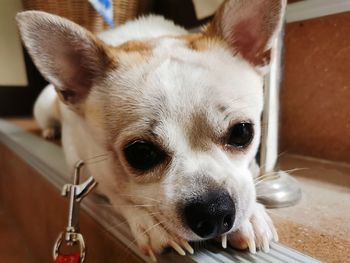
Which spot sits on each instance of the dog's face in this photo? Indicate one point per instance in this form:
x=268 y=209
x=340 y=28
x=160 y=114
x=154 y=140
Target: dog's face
x=180 y=116
x=184 y=125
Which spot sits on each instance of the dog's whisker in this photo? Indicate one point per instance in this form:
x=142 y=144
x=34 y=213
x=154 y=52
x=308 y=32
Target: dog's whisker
x=291 y=170
x=131 y=205
x=96 y=157
x=143 y=197
x=265 y=179
x=278 y=156
x=274 y=175
x=125 y=222
x=150 y=228
x=104 y=205
x=97 y=161
x=157 y=203
x=147 y=230
x=145 y=205
x=114 y=226
x=295 y=170
x=267 y=175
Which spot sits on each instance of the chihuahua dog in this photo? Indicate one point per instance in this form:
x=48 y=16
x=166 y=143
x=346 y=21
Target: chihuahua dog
x=177 y=115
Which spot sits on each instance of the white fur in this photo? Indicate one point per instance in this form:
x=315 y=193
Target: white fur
x=143 y=28
x=46 y=112
x=170 y=87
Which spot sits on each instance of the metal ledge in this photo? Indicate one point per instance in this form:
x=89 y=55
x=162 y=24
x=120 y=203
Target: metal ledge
x=52 y=167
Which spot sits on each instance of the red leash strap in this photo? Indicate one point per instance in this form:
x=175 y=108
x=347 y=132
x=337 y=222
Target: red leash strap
x=77 y=256
x=74 y=258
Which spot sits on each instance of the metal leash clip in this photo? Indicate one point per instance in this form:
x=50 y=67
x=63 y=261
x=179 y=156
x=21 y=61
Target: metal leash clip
x=71 y=236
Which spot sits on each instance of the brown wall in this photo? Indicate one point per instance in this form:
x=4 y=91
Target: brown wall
x=39 y=220
x=316 y=91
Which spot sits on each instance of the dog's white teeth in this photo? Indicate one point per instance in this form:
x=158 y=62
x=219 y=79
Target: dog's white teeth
x=252 y=246
x=151 y=255
x=187 y=246
x=224 y=241
x=177 y=248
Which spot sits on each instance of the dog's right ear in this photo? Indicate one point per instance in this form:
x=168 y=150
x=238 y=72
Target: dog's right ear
x=248 y=27
x=67 y=55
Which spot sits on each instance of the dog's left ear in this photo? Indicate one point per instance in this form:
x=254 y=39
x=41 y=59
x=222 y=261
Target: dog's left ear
x=67 y=55
x=248 y=27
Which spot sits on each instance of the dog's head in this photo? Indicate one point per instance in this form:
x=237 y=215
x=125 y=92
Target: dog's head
x=180 y=115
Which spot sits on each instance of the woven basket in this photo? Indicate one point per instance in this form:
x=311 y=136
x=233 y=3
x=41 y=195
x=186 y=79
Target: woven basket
x=82 y=13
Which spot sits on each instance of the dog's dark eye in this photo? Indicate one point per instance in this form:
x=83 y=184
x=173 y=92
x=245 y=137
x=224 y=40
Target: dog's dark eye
x=241 y=135
x=143 y=155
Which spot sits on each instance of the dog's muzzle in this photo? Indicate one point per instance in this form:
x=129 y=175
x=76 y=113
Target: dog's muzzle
x=210 y=215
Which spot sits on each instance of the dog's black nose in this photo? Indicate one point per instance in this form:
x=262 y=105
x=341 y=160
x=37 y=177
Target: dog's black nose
x=210 y=215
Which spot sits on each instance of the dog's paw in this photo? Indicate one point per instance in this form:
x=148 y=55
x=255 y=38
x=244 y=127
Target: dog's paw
x=50 y=133
x=257 y=232
x=152 y=238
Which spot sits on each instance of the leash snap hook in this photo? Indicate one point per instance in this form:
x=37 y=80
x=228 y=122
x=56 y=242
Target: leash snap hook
x=71 y=235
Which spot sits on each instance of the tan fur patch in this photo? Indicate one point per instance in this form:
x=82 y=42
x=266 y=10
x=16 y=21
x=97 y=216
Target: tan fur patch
x=213 y=29
x=133 y=47
x=202 y=41
x=200 y=132
x=136 y=46
x=131 y=52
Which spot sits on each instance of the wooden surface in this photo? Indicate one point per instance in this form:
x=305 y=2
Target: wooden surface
x=316 y=92
x=13 y=247
x=39 y=213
